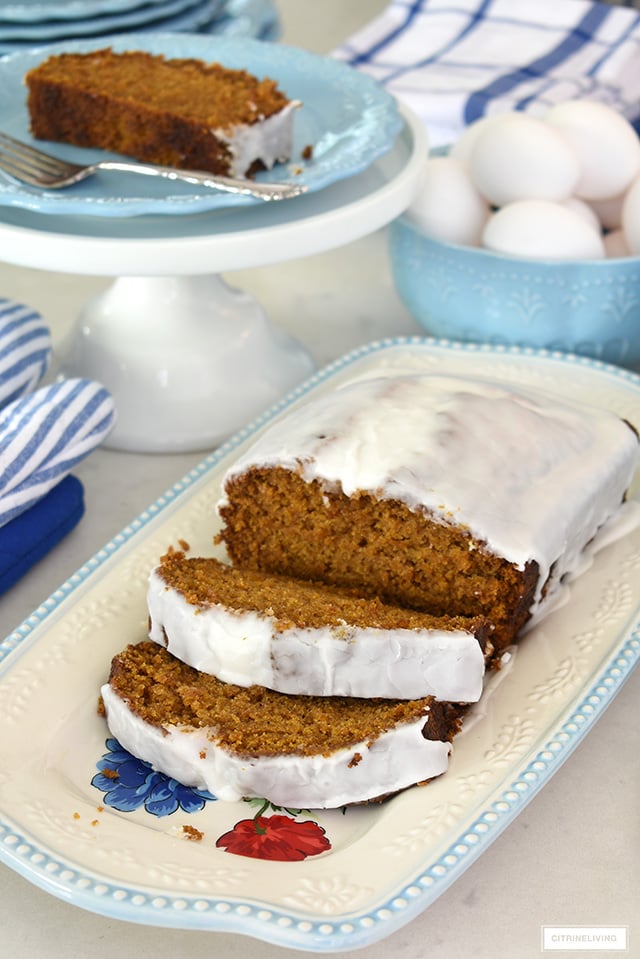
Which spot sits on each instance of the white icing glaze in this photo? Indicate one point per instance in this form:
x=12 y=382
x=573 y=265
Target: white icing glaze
x=397 y=759
x=532 y=475
x=269 y=139
x=248 y=648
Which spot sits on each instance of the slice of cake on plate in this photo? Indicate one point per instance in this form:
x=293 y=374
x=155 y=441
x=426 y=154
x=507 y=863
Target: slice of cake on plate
x=295 y=636
x=298 y=751
x=173 y=112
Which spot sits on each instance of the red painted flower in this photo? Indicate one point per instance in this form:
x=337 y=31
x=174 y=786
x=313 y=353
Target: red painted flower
x=276 y=838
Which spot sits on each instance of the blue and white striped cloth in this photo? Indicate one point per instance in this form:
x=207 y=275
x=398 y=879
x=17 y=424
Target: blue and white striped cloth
x=454 y=61
x=44 y=434
x=25 y=349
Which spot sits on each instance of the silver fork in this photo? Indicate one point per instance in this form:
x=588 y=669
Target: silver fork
x=32 y=166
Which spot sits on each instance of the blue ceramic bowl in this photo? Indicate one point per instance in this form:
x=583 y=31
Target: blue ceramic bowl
x=464 y=293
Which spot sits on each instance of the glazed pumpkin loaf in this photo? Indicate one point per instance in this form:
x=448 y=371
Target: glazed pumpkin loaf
x=434 y=506
x=297 y=637
x=451 y=495
x=174 y=112
x=297 y=751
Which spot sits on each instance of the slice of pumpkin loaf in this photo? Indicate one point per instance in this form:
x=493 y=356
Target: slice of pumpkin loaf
x=454 y=495
x=295 y=636
x=296 y=751
x=174 y=112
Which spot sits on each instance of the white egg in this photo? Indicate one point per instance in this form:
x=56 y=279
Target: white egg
x=607 y=146
x=463 y=146
x=615 y=244
x=631 y=217
x=542 y=229
x=519 y=157
x=584 y=210
x=448 y=206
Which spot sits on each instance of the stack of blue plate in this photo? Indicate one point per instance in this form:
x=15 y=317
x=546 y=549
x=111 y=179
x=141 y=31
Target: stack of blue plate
x=25 y=24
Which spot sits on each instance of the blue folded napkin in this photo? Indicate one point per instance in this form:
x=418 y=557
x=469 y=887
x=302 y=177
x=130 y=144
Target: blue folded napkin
x=32 y=534
x=44 y=433
x=454 y=61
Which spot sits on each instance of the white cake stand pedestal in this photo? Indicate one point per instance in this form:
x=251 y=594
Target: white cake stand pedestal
x=187 y=358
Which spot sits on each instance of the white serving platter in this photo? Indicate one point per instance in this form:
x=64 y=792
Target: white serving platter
x=364 y=872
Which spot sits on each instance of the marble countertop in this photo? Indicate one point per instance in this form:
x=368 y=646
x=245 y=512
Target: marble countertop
x=572 y=856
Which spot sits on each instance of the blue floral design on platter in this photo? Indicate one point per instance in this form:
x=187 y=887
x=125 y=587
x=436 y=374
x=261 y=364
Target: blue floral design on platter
x=129 y=783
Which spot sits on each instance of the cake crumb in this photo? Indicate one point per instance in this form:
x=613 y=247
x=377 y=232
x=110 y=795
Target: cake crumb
x=187 y=832
x=193 y=834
